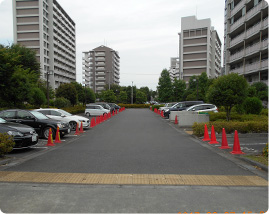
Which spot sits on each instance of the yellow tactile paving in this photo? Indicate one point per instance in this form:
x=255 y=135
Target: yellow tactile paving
x=132 y=179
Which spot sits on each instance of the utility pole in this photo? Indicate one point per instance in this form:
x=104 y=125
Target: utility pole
x=132 y=97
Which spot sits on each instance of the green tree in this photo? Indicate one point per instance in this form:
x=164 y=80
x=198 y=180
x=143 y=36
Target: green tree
x=68 y=91
x=146 y=91
x=15 y=59
x=108 y=96
x=141 y=97
x=80 y=92
x=178 y=87
x=38 y=97
x=262 y=90
x=89 y=96
x=122 y=97
x=228 y=91
x=164 y=87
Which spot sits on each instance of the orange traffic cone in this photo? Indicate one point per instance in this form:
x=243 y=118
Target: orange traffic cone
x=236 y=147
x=176 y=122
x=224 y=142
x=213 y=137
x=81 y=128
x=113 y=114
x=77 y=130
x=50 y=140
x=57 y=137
x=206 y=135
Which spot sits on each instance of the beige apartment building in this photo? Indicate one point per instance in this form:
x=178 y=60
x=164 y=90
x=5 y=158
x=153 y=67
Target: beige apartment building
x=101 y=66
x=46 y=28
x=199 y=48
x=174 y=68
x=246 y=39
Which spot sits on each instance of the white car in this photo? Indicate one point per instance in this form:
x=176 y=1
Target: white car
x=60 y=114
x=166 y=106
x=95 y=110
x=203 y=108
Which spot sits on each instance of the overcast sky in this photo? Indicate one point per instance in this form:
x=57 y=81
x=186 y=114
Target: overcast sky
x=144 y=32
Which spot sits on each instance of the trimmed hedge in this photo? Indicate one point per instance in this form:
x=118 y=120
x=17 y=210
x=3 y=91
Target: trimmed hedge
x=221 y=116
x=134 y=105
x=231 y=126
x=75 y=109
x=156 y=106
x=6 y=143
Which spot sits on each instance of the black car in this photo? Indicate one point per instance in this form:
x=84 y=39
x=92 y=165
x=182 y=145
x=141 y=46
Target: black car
x=180 y=106
x=113 y=106
x=37 y=120
x=24 y=136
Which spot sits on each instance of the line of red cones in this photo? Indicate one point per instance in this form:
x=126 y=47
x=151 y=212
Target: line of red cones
x=224 y=142
x=79 y=129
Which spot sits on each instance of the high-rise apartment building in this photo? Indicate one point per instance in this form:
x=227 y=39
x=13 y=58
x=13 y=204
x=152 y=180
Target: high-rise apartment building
x=101 y=66
x=246 y=39
x=46 y=28
x=174 y=68
x=199 y=48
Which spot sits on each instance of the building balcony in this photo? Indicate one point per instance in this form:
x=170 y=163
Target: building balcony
x=237 y=24
x=237 y=39
x=237 y=56
x=255 y=10
x=100 y=54
x=253 y=49
x=254 y=30
x=264 y=64
x=237 y=70
x=238 y=7
x=254 y=67
x=98 y=59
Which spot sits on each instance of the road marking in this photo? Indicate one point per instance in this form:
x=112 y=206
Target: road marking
x=132 y=179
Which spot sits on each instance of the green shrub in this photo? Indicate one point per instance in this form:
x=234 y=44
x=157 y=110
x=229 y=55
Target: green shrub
x=264 y=111
x=62 y=102
x=252 y=105
x=156 y=106
x=265 y=151
x=231 y=126
x=77 y=109
x=6 y=143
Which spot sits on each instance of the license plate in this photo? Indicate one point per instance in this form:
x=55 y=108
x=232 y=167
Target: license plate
x=34 y=138
x=68 y=131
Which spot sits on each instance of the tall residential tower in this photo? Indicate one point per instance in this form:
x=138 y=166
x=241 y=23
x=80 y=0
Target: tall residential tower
x=246 y=39
x=199 y=48
x=101 y=66
x=46 y=28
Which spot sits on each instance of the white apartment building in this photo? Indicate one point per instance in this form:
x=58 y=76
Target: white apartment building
x=46 y=28
x=246 y=39
x=101 y=66
x=174 y=68
x=199 y=48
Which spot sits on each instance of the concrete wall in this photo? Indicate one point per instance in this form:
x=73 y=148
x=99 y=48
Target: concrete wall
x=188 y=118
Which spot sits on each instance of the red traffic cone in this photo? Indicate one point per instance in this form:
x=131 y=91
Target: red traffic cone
x=81 y=128
x=57 y=136
x=206 y=135
x=113 y=114
x=224 y=143
x=116 y=111
x=155 y=110
x=176 y=122
x=92 y=122
x=50 y=140
x=150 y=108
x=77 y=130
x=213 y=137
x=236 y=147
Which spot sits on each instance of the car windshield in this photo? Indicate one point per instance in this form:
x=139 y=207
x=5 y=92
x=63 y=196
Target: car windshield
x=170 y=104
x=39 y=115
x=64 y=112
x=2 y=120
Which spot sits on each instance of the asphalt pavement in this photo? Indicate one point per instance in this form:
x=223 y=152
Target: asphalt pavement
x=140 y=142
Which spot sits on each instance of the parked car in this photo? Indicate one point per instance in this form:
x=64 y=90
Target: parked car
x=203 y=108
x=166 y=106
x=103 y=104
x=113 y=107
x=95 y=110
x=63 y=115
x=180 y=106
x=24 y=136
x=37 y=120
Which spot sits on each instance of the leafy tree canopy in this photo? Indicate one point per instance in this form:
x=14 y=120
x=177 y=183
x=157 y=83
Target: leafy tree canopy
x=164 y=87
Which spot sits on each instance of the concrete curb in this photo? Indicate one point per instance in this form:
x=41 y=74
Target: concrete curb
x=6 y=161
x=255 y=163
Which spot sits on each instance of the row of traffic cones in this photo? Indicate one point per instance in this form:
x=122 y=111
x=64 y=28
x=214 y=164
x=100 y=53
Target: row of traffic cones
x=159 y=112
x=57 y=138
x=224 y=143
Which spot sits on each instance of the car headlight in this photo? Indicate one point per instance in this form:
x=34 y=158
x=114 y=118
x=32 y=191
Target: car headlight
x=14 y=133
x=83 y=121
x=60 y=125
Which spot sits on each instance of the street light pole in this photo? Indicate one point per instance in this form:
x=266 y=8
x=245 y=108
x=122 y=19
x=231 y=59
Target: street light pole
x=48 y=97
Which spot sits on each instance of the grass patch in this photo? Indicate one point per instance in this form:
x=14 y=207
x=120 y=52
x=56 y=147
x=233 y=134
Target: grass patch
x=258 y=158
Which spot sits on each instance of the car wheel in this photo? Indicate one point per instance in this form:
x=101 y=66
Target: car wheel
x=46 y=132
x=73 y=125
x=88 y=114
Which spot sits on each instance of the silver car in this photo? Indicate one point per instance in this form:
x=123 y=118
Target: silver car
x=205 y=107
